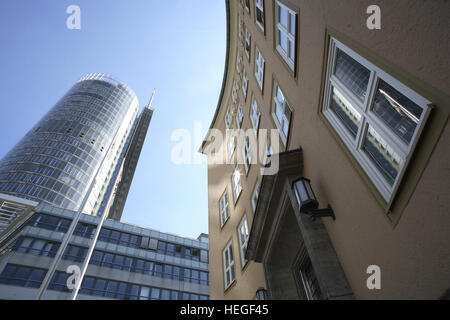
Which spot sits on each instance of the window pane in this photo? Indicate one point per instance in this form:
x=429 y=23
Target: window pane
x=345 y=112
x=134 y=291
x=145 y=292
x=124 y=238
x=283 y=41
x=176 y=273
x=165 y=294
x=87 y=285
x=278 y=113
x=36 y=278
x=291 y=50
x=292 y=29
x=108 y=260
x=96 y=258
x=99 y=287
x=114 y=237
x=122 y=289
x=354 y=76
x=397 y=111
x=24 y=245
x=382 y=155
x=37 y=246
x=155 y=293
x=283 y=16
x=111 y=289
x=118 y=262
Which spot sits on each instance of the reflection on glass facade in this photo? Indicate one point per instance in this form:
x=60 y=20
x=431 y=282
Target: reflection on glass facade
x=386 y=160
x=397 y=111
x=352 y=74
x=348 y=115
x=57 y=159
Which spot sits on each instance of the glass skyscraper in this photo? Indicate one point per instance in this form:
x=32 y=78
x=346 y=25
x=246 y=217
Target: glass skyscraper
x=56 y=160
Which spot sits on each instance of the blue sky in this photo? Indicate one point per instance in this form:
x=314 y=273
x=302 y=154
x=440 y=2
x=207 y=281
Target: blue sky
x=177 y=46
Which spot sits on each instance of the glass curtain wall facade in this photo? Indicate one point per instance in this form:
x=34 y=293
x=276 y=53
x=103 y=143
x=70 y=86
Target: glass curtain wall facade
x=57 y=159
x=128 y=262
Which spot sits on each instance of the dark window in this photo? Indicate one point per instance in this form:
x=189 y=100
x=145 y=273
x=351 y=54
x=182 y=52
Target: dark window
x=99 y=289
x=108 y=259
x=128 y=262
x=134 y=292
x=96 y=258
x=165 y=294
x=168 y=271
x=87 y=285
x=121 y=291
x=148 y=269
x=114 y=237
x=194 y=276
x=158 y=270
x=22 y=276
x=176 y=273
x=111 y=289
x=124 y=239
x=118 y=262
x=309 y=280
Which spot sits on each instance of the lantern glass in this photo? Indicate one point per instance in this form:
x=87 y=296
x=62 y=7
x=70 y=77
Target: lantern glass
x=311 y=194
x=305 y=196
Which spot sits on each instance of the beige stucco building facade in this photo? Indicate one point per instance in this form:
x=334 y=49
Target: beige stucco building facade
x=360 y=112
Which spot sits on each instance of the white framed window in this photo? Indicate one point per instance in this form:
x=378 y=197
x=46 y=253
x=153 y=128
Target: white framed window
x=228 y=265
x=239 y=116
x=248 y=42
x=255 y=114
x=231 y=145
x=247 y=153
x=238 y=62
x=244 y=83
x=228 y=119
x=235 y=91
x=259 y=13
x=281 y=112
x=377 y=117
x=255 y=195
x=259 y=68
x=236 y=183
x=243 y=236
x=285 y=22
x=224 y=209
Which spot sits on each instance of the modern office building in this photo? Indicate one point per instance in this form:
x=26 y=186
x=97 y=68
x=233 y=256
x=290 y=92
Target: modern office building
x=57 y=159
x=127 y=169
x=362 y=113
x=128 y=263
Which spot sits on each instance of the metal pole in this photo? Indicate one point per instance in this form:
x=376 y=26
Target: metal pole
x=72 y=227
x=91 y=248
x=97 y=232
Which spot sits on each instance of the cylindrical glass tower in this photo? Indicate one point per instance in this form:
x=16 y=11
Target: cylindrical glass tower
x=56 y=160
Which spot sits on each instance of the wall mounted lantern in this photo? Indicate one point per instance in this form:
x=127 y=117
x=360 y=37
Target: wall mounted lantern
x=307 y=202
